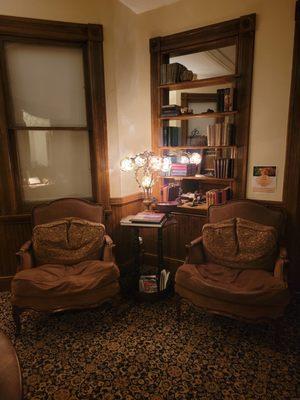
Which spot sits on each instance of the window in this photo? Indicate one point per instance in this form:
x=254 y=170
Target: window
x=54 y=132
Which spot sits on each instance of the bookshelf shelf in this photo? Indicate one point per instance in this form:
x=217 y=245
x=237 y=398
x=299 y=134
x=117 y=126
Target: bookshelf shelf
x=200 y=178
x=203 y=115
x=218 y=80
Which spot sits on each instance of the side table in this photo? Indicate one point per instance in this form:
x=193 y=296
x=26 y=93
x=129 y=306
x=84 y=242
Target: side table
x=137 y=249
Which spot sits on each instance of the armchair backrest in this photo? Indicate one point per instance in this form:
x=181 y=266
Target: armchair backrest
x=64 y=208
x=249 y=210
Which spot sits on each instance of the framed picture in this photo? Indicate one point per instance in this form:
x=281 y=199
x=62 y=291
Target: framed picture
x=264 y=179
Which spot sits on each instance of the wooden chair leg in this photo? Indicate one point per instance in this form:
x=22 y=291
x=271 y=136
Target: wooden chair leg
x=16 y=312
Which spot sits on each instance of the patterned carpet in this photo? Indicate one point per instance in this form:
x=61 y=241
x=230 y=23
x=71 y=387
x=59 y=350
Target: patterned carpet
x=145 y=354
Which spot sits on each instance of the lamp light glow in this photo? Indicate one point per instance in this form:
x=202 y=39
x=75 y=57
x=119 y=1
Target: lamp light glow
x=184 y=159
x=195 y=158
x=127 y=164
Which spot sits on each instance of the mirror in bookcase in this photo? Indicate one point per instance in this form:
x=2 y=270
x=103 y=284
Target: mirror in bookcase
x=208 y=64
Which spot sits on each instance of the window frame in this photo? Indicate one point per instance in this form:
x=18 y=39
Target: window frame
x=89 y=37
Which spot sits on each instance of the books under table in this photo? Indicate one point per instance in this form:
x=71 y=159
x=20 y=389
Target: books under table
x=148 y=217
x=153 y=283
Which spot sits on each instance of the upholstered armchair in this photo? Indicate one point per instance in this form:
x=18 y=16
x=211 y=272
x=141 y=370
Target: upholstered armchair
x=237 y=267
x=68 y=264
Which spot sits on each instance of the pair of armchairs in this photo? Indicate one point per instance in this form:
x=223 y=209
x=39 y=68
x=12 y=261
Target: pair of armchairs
x=237 y=267
x=68 y=264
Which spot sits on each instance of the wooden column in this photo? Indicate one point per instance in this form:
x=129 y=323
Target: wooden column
x=292 y=168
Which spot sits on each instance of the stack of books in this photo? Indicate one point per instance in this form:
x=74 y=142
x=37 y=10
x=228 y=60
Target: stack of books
x=170 y=192
x=148 y=217
x=220 y=134
x=175 y=72
x=225 y=99
x=224 y=167
x=183 y=169
x=170 y=110
x=171 y=136
x=218 y=196
x=150 y=284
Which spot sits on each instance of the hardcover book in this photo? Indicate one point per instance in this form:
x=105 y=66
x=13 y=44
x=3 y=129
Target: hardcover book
x=148 y=217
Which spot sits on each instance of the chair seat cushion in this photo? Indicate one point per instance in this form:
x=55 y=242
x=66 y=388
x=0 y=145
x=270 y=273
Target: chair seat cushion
x=253 y=287
x=52 y=280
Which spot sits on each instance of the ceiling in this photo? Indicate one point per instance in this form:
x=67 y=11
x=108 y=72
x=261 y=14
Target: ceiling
x=141 y=6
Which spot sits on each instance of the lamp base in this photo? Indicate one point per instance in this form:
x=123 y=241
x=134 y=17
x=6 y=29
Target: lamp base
x=147 y=203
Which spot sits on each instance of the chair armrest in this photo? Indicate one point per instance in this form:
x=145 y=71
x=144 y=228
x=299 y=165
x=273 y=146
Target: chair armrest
x=108 y=251
x=194 y=252
x=281 y=265
x=25 y=257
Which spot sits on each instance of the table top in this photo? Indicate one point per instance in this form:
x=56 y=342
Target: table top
x=164 y=223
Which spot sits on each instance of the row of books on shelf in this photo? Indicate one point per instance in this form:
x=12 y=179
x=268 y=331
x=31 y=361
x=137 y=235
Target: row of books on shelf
x=170 y=110
x=224 y=168
x=150 y=284
x=226 y=99
x=178 y=169
x=221 y=134
x=171 y=136
x=218 y=196
x=175 y=72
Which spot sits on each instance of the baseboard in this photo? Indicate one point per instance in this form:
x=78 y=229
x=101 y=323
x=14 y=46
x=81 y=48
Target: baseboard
x=5 y=283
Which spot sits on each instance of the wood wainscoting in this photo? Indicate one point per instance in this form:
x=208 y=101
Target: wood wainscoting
x=16 y=229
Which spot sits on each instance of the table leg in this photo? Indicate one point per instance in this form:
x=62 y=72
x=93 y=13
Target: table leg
x=160 y=254
x=136 y=249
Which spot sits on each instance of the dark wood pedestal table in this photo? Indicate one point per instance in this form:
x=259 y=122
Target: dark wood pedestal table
x=137 y=251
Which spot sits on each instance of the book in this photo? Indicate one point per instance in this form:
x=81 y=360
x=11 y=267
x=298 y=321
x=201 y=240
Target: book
x=148 y=284
x=218 y=196
x=175 y=72
x=220 y=134
x=163 y=281
x=226 y=99
x=171 y=136
x=148 y=217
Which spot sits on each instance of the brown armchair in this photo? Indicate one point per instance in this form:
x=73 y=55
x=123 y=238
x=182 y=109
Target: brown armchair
x=68 y=264
x=237 y=267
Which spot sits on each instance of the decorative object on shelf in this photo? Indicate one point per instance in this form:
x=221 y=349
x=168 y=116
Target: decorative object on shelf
x=146 y=167
x=196 y=139
x=186 y=110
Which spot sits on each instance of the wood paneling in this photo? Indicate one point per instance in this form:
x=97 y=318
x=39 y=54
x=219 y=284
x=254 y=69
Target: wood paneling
x=292 y=168
x=14 y=231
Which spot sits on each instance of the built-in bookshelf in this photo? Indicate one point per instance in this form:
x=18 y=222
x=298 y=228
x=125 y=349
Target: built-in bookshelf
x=182 y=131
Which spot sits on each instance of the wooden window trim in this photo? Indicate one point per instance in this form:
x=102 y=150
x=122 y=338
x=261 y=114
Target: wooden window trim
x=90 y=38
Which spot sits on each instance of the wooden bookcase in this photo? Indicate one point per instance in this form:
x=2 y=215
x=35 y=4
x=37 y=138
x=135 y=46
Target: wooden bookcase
x=239 y=32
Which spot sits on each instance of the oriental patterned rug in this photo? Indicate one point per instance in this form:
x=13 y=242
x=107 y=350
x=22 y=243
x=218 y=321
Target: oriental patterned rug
x=145 y=354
